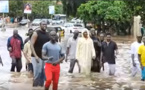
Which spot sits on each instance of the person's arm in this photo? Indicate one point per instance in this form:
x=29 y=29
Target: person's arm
x=33 y=40
x=22 y=44
x=132 y=54
x=9 y=45
x=25 y=51
x=67 y=50
x=93 y=50
x=116 y=49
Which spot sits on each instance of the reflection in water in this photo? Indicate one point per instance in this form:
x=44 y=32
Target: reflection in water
x=97 y=81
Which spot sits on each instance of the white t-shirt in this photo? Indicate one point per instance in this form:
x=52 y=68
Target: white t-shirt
x=134 y=50
x=72 y=44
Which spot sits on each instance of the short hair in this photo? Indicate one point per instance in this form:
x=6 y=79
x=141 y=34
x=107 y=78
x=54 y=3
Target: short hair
x=108 y=34
x=30 y=29
x=42 y=21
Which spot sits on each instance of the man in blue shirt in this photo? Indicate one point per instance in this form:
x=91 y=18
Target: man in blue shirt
x=53 y=56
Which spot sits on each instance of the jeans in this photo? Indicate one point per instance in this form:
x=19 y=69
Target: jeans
x=16 y=62
x=38 y=70
x=143 y=73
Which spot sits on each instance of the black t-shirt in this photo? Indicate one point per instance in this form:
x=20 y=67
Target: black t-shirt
x=42 y=38
x=109 y=51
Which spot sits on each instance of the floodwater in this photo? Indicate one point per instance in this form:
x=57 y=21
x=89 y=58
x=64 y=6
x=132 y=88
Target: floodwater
x=97 y=81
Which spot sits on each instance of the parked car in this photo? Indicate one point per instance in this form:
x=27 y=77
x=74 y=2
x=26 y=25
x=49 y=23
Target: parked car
x=24 y=21
x=36 y=22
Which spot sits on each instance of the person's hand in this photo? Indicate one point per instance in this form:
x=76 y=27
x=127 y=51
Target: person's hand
x=28 y=61
x=66 y=59
x=55 y=63
x=117 y=52
x=37 y=59
x=93 y=57
x=134 y=64
x=141 y=67
x=10 y=49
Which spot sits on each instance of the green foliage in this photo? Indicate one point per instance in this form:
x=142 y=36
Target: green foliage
x=70 y=6
x=100 y=12
x=39 y=8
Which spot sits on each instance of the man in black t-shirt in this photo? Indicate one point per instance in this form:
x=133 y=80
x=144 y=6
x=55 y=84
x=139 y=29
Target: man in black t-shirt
x=108 y=53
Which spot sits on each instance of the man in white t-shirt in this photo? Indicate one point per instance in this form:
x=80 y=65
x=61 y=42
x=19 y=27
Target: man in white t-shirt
x=71 y=51
x=134 y=55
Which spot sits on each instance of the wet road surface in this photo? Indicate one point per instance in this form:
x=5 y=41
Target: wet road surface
x=97 y=81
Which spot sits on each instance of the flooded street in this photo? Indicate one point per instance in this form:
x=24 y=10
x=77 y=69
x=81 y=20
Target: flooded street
x=97 y=81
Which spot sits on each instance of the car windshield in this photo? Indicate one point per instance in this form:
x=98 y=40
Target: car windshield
x=37 y=20
x=77 y=25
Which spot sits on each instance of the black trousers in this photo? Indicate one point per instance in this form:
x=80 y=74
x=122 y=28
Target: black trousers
x=72 y=65
x=16 y=63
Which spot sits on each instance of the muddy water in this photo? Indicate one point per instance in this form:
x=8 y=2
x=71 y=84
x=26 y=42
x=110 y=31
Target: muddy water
x=97 y=81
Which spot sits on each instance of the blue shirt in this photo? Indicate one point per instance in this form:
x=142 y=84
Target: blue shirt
x=52 y=50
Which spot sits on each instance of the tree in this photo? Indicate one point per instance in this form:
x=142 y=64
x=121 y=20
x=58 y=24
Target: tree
x=70 y=6
x=15 y=8
x=113 y=13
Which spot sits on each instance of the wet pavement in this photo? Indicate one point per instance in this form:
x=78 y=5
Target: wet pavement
x=97 y=81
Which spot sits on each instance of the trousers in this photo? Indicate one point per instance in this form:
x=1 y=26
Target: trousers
x=143 y=73
x=38 y=71
x=16 y=63
x=72 y=65
x=52 y=75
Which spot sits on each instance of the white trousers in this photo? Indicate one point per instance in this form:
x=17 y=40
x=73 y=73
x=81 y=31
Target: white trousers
x=111 y=68
x=136 y=69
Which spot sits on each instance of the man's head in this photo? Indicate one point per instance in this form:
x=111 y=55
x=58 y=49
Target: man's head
x=85 y=34
x=108 y=37
x=43 y=25
x=53 y=36
x=15 y=33
x=93 y=33
x=143 y=39
x=76 y=33
x=102 y=36
x=30 y=32
x=139 y=38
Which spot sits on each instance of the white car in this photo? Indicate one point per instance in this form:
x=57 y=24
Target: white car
x=78 y=27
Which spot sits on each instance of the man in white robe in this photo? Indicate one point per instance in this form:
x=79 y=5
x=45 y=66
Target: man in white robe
x=85 y=52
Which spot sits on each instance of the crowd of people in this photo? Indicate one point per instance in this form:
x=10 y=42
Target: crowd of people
x=44 y=54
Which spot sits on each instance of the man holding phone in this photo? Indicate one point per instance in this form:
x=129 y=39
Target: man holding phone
x=53 y=56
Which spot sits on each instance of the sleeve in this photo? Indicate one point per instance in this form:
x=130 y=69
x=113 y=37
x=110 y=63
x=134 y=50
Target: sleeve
x=132 y=49
x=25 y=50
x=93 y=49
x=8 y=43
x=22 y=44
x=140 y=50
x=44 y=49
x=68 y=43
x=78 y=49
